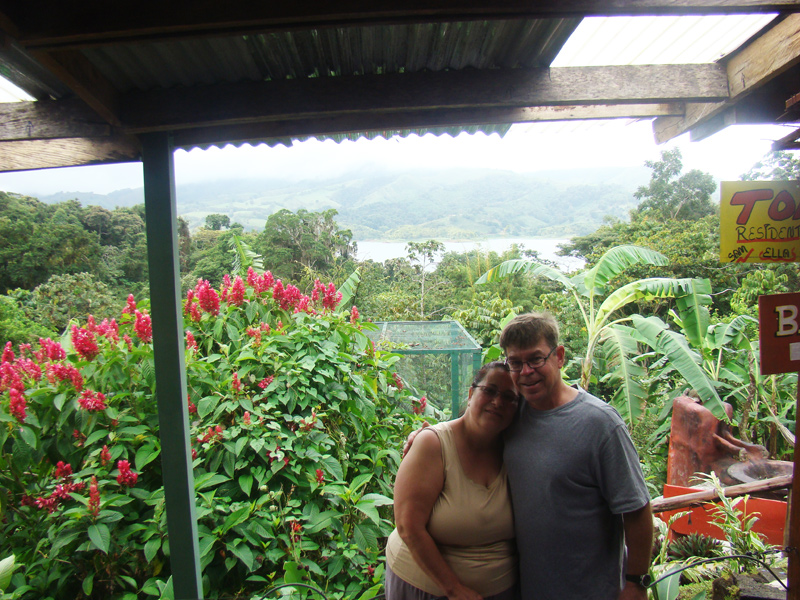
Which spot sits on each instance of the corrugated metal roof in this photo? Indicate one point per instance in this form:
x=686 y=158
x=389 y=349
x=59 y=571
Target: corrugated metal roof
x=333 y=52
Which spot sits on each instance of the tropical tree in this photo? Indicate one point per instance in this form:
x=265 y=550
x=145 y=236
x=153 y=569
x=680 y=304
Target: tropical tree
x=672 y=195
x=601 y=308
x=306 y=245
x=216 y=222
x=422 y=255
x=774 y=166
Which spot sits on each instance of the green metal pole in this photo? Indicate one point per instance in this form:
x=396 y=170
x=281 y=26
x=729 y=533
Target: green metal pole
x=161 y=217
x=454 y=385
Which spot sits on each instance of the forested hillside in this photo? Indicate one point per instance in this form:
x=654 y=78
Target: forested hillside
x=441 y=204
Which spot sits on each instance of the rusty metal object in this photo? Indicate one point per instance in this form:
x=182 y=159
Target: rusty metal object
x=701 y=443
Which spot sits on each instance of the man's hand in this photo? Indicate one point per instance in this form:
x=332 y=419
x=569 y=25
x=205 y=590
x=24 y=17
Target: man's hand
x=633 y=591
x=411 y=436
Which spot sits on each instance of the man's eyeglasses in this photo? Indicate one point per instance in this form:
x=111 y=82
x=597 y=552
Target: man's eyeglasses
x=493 y=392
x=533 y=363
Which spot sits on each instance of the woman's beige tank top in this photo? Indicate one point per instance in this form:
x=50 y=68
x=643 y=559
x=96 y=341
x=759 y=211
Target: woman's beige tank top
x=473 y=526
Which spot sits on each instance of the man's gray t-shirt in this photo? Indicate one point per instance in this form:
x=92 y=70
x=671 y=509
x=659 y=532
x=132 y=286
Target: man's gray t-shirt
x=573 y=471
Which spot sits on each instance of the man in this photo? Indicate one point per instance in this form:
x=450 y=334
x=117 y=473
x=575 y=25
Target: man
x=576 y=485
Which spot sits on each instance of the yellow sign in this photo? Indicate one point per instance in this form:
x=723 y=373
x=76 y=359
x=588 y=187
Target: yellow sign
x=760 y=221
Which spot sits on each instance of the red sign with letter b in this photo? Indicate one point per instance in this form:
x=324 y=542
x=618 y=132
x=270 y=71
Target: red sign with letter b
x=779 y=333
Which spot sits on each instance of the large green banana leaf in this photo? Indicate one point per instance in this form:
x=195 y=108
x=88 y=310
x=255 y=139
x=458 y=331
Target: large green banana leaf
x=244 y=256
x=694 y=316
x=682 y=358
x=629 y=398
x=349 y=287
x=733 y=333
x=615 y=261
x=642 y=289
x=519 y=265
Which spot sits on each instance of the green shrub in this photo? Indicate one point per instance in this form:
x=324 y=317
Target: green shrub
x=295 y=438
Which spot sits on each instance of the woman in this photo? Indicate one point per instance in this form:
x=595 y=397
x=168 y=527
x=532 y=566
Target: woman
x=455 y=530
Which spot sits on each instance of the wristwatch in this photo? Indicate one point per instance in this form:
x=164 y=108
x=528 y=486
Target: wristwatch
x=643 y=580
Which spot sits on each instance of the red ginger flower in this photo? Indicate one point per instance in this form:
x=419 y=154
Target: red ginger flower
x=398 y=382
x=236 y=293
x=94 y=498
x=207 y=297
x=192 y=407
x=92 y=401
x=110 y=329
x=105 y=456
x=130 y=307
x=127 y=339
x=331 y=297
x=53 y=350
x=237 y=385
x=17 y=405
x=354 y=315
x=8 y=353
x=419 y=405
x=84 y=343
x=246 y=419
x=63 y=470
x=264 y=383
x=143 y=327
x=191 y=343
x=320 y=476
x=126 y=477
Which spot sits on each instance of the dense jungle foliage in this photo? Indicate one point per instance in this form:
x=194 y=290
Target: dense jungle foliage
x=296 y=417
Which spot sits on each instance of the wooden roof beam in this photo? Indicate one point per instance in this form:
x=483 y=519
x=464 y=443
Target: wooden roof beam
x=46 y=154
x=253 y=102
x=50 y=119
x=49 y=25
x=77 y=73
x=754 y=66
x=258 y=132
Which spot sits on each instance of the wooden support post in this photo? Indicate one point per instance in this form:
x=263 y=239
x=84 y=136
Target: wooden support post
x=162 y=252
x=794 y=517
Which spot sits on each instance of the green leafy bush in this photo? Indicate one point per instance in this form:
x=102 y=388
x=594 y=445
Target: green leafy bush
x=295 y=437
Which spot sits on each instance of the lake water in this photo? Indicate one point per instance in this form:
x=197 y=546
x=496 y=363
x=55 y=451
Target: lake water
x=546 y=247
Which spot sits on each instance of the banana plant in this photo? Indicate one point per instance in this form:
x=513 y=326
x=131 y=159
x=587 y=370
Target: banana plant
x=600 y=306
x=709 y=357
x=718 y=361
x=244 y=256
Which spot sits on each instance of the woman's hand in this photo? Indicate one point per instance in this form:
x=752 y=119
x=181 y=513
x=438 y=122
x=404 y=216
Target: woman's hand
x=462 y=592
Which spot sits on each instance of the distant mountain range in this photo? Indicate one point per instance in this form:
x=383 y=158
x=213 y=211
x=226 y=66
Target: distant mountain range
x=440 y=204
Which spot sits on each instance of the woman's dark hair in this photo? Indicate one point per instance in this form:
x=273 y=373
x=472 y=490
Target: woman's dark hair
x=484 y=371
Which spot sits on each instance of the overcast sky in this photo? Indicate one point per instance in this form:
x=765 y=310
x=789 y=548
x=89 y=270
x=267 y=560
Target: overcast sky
x=525 y=148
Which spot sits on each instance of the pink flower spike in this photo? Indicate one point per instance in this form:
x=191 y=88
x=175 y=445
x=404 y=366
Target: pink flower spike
x=92 y=401
x=126 y=477
x=84 y=343
x=8 y=353
x=17 y=405
x=130 y=307
x=94 y=498
x=143 y=327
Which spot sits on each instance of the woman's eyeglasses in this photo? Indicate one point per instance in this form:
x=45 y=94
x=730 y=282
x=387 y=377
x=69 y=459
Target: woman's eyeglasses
x=493 y=392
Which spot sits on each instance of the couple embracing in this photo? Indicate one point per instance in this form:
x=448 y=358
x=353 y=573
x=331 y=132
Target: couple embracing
x=535 y=492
